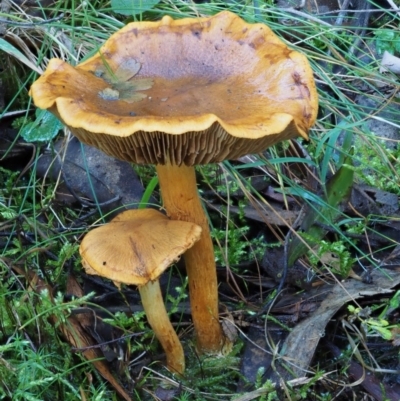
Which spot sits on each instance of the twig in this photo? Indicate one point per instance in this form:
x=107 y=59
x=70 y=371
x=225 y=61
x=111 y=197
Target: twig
x=14 y=113
x=393 y=5
x=342 y=13
x=102 y=344
x=30 y=24
x=5 y=6
x=362 y=10
x=305 y=15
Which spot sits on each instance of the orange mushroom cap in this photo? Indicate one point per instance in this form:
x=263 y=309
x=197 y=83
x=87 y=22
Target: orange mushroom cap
x=136 y=246
x=192 y=91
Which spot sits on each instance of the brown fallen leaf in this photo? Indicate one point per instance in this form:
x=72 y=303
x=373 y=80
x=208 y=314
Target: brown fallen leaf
x=77 y=337
x=89 y=176
x=300 y=345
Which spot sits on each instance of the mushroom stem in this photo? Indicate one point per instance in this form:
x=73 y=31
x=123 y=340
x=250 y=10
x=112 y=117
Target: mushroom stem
x=158 y=319
x=182 y=202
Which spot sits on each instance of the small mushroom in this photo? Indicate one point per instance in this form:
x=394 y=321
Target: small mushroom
x=135 y=248
x=190 y=91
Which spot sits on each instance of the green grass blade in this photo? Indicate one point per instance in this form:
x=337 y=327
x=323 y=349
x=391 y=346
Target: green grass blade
x=337 y=189
x=12 y=51
x=148 y=192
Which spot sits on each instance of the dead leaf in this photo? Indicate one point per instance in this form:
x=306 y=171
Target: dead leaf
x=123 y=84
x=89 y=174
x=301 y=343
x=78 y=338
x=127 y=69
x=390 y=63
x=164 y=394
x=109 y=94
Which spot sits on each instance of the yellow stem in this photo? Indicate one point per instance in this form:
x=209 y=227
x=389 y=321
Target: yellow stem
x=182 y=202
x=158 y=319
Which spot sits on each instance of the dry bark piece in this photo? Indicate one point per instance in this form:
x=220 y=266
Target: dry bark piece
x=190 y=91
x=136 y=247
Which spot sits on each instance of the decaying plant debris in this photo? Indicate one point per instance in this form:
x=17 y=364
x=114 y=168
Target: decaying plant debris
x=330 y=329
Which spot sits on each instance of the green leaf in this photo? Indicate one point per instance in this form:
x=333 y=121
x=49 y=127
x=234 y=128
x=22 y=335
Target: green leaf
x=395 y=301
x=132 y=7
x=387 y=39
x=377 y=322
x=43 y=129
x=8 y=214
x=385 y=333
x=352 y=309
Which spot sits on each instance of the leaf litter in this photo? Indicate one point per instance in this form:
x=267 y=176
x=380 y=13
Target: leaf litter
x=123 y=85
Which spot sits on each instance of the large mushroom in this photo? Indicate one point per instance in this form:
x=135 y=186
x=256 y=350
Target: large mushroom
x=177 y=93
x=135 y=248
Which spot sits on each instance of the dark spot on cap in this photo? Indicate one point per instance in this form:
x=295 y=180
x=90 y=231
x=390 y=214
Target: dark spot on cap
x=197 y=33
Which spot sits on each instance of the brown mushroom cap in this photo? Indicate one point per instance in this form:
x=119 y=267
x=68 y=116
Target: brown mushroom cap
x=136 y=246
x=193 y=91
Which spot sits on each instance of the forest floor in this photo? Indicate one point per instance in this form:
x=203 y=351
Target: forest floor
x=306 y=234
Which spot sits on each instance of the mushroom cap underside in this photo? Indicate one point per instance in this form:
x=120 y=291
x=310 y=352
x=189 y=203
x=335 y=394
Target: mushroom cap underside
x=136 y=246
x=214 y=87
